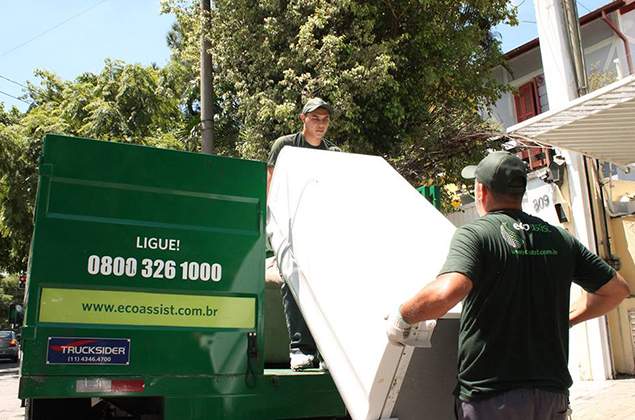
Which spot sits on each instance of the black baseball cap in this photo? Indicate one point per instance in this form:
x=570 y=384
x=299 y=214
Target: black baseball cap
x=502 y=172
x=315 y=103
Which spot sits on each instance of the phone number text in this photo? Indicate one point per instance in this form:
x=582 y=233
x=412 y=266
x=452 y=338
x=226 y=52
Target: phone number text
x=153 y=268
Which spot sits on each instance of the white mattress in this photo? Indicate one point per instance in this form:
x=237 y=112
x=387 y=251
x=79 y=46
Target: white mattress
x=354 y=240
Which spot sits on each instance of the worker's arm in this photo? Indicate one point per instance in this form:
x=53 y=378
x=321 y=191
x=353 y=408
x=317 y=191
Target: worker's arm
x=432 y=302
x=437 y=298
x=276 y=147
x=598 y=303
x=269 y=175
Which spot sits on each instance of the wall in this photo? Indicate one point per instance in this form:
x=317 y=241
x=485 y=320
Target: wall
x=627 y=22
x=503 y=111
x=623 y=240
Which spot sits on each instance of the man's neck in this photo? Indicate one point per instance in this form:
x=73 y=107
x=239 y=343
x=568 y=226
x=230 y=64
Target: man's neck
x=312 y=140
x=503 y=208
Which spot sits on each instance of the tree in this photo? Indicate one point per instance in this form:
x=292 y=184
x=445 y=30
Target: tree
x=407 y=78
x=9 y=293
x=124 y=102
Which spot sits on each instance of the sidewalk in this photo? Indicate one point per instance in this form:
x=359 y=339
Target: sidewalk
x=9 y=403
x=614 y=400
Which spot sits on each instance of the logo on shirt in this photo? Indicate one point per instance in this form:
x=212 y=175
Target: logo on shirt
x=521 y=226
x=511 y=235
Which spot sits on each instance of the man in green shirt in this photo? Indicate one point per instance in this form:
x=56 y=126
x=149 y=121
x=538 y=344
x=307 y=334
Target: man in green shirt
x=514 y=271
x=315 y=117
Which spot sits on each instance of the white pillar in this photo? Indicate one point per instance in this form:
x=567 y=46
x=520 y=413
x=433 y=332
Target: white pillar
x=593 y=357
x=554 y=49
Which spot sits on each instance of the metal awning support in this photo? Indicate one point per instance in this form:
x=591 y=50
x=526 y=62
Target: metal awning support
x=600 y=124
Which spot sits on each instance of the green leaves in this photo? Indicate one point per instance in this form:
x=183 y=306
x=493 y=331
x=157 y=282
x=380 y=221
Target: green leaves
x=9 y=293
x=405 y=77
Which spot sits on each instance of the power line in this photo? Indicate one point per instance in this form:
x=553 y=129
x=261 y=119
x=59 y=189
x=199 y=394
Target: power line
x=581 y=4
x=13 y=81
x=52 y=28
x=15 y=97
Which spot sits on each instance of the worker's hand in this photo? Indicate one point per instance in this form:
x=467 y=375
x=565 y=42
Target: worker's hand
x=401 y=332
x=397 y=329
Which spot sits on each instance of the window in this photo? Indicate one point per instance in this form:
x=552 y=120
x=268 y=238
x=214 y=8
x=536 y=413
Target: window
x=526 y=101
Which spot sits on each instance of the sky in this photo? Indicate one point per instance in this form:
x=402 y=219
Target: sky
x=70 y=37
x=526 y=30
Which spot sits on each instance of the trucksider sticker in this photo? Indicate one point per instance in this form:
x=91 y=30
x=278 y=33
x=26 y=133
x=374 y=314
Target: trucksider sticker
x=107 y=307
x=88 y=351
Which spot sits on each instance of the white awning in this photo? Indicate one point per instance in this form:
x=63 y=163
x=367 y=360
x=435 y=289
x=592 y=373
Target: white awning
x=600 y=124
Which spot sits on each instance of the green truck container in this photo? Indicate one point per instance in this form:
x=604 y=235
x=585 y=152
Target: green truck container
x=146 y=293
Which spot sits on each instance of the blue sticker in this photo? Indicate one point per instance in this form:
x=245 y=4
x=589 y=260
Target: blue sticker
x=88 y=351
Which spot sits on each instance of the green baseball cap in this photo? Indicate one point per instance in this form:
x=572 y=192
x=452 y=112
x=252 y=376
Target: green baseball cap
x=502 y=172
x=315 y=103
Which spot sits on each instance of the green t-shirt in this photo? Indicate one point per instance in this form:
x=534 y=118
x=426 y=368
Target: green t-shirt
x=514 y=329
x=296 y=140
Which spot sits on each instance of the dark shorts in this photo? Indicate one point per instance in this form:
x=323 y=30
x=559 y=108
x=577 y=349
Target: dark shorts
x=519 y=404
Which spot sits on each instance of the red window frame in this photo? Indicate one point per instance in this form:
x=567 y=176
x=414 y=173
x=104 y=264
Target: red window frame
x=526 y=101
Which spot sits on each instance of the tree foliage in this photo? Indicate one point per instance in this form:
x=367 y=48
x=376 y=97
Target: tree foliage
x=407 y=78
x=9 y=293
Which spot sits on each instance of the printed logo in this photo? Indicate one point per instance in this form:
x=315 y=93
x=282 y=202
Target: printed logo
x=521 y=226
x=511 y=236
x=88 y=351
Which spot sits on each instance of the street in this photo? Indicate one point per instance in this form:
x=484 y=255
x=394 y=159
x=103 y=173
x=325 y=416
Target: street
x=9 y=403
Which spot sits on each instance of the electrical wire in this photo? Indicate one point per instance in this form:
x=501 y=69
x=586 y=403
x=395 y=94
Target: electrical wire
x=13 y=81
x=517 y=6
x=15 y=97
x=52 y=28
x=581 y=4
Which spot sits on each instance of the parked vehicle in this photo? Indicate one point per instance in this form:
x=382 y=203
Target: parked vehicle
x=9 y=347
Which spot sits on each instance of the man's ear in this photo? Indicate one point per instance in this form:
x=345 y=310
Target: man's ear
x=302 y=117
x=481 y=191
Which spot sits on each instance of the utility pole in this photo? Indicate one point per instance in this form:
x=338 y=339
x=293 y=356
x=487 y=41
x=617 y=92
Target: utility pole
x=565 y=79
x=207 y=82
x=572 y=24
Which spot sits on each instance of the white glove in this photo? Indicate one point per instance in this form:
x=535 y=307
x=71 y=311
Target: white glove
x=401 y=332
